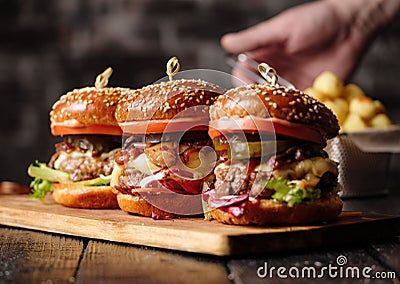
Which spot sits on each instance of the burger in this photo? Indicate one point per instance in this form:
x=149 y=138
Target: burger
x=272 y=167
x=167 y=154
x=79 y=172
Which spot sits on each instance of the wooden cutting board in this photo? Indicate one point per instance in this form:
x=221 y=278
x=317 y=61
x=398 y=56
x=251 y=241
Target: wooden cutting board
x=191 y=234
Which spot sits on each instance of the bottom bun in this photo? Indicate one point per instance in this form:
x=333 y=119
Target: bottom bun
x=269 y=212
x=136 y=204
x=162 y=204
x=87 y=197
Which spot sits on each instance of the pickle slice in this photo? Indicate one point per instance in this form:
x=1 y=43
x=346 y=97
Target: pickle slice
x=254 y=149
x=246 y=150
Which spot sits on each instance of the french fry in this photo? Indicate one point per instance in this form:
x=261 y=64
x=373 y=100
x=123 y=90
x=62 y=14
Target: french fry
x=380 y=120
x=353 y=123
x=329 y=84
x=339 y=107
x=363 y=107
x=352 y=91
x=354 y=110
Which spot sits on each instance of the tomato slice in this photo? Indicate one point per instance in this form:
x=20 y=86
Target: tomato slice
x=60 y=130
x=250 y=124
x=165 y=126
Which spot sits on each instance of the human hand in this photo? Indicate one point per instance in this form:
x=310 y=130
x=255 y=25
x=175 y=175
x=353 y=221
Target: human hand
x=302 y=42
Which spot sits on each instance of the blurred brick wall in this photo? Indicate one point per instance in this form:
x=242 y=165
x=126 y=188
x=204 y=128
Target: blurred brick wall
x=50 y=47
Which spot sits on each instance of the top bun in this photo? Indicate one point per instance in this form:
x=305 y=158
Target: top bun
x=167 y=99
x=87 y=106
x=276 y=102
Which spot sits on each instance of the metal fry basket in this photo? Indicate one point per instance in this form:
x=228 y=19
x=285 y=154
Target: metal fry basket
x=360 y=173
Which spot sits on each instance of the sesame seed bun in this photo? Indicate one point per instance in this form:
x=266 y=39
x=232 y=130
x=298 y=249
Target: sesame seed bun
x=292 y=116
x=267 y=211
x=289 y=105
x=176 y=106
x=87 y=107
x=81 y=112
x=166 y=99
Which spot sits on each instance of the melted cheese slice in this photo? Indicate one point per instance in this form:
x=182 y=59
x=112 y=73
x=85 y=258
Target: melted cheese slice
x=143 y=164
x=77 y=154
x=306 y=173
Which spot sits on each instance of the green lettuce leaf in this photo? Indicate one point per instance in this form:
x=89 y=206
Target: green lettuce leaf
x=101 y=180
x=289 y=192
x=42 y=171
x=45 y=176
x=40 y=187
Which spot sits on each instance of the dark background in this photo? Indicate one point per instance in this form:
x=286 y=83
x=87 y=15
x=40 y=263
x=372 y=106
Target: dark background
x=50 y=47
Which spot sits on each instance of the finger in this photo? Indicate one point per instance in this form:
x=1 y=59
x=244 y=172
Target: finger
x=258 y=56
x=262 y=35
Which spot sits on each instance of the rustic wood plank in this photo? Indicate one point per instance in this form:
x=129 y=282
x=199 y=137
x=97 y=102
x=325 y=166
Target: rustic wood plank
x=35 y=257
x=105 y=262
x=192 y=234
x=245 y=270
x=388 y=253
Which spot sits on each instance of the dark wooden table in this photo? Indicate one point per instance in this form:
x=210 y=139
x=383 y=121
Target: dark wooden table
x=28 y=256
